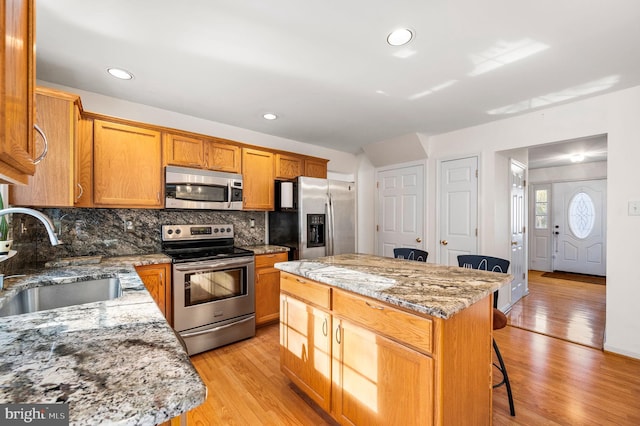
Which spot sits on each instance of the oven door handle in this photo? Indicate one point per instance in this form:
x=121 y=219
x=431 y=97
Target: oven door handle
x=211 y=330
x=212 y=265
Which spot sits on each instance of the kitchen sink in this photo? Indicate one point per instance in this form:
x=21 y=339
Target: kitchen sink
x=60 y=295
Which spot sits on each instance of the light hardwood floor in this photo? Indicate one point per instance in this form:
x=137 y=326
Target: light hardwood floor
x=554 y=383
x=569 y=310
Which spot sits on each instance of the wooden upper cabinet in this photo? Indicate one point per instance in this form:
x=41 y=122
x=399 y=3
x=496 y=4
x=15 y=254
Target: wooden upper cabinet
x=289 y=166
x=258 y=179
x=222 y=157
x=315 y=167
x=183 y=151
x=17 y=80
x=54 y=183
x=127 y=166
x=83 y=171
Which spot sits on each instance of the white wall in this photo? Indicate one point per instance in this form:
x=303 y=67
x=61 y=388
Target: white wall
x=366 y=181
x=614 y=114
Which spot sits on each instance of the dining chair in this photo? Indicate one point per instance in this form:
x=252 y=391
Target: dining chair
x=410 y=254
x=494 y=264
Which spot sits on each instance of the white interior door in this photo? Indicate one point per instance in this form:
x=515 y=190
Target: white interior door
x=458 y=209
x=579 y=216
x=400 y=209
x=518 y=244
x=540 y=228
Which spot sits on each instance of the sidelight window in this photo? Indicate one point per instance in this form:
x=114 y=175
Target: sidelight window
x=542 y=209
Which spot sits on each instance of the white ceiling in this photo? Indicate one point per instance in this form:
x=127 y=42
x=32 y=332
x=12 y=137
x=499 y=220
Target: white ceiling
x=325 y=67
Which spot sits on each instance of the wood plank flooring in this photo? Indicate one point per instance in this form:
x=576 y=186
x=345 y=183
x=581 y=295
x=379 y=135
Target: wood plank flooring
x=569 y=310
x=554 y=382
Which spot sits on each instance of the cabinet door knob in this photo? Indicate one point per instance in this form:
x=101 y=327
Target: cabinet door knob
x=418 y=240
x=444 y=242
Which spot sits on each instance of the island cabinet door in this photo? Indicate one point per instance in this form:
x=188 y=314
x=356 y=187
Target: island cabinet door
x=378 y=381
x=305 y=348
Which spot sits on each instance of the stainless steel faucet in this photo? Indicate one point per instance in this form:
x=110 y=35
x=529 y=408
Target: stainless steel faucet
x=41 y=217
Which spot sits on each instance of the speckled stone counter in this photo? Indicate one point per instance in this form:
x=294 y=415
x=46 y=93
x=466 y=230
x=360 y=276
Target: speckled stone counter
x=113 y=362
x=436 y=290
x=266 y=249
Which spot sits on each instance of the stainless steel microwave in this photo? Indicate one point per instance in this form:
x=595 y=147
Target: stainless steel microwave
x=187 y=188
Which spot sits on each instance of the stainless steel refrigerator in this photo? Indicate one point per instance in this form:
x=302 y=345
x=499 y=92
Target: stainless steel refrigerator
x=314 y=217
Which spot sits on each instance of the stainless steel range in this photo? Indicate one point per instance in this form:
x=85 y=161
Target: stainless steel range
x=213 y=285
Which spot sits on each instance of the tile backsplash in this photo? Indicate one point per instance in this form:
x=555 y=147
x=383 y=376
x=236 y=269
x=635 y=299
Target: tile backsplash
x=91 y=232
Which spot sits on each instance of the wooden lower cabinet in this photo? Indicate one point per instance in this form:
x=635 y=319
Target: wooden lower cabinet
x=379 y=381
x=387 y=366
x=267 y=287
x=305 y=348
x=157 y=280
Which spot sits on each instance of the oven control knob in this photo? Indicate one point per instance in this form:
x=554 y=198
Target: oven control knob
x=228 y=229
x=170 y=231
x=215 y=230
x=178 y=231
x=222 y=230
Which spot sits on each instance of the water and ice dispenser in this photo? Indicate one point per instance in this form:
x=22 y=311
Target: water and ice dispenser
x=315 y=230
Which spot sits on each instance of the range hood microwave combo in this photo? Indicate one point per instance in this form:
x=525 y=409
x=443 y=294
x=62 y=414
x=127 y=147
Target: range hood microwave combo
x=187 y=188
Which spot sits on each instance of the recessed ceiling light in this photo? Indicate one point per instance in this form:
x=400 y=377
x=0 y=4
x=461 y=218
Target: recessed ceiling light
x=400 y=37
x=577 y=158
x=120 y=73
x=269 y=116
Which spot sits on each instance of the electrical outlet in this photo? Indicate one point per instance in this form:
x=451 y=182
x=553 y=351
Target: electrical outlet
x=129 y=226
x=252 y=223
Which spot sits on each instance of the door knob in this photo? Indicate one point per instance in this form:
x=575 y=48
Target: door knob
x=444 y=242
x=418 y=240
x=514 y=243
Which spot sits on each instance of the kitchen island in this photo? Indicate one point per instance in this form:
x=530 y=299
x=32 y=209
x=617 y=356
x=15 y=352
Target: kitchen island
x=376 y=340
x=112 y=362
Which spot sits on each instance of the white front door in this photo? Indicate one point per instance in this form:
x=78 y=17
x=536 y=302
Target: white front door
x=540 y=228
x=579 y=216
x=458 y=209
x=400 y=209
x=518 y=246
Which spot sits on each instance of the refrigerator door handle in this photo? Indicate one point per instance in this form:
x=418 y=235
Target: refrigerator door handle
x=329 y=225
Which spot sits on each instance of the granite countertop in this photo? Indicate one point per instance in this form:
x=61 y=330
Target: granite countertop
x=427 y=288
x=266 y=249
x=113 y=362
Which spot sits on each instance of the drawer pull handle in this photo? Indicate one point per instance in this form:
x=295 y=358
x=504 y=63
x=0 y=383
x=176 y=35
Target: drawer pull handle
x=301 y=281
x=324 y=328
x=338 y=334
x=380 y=308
